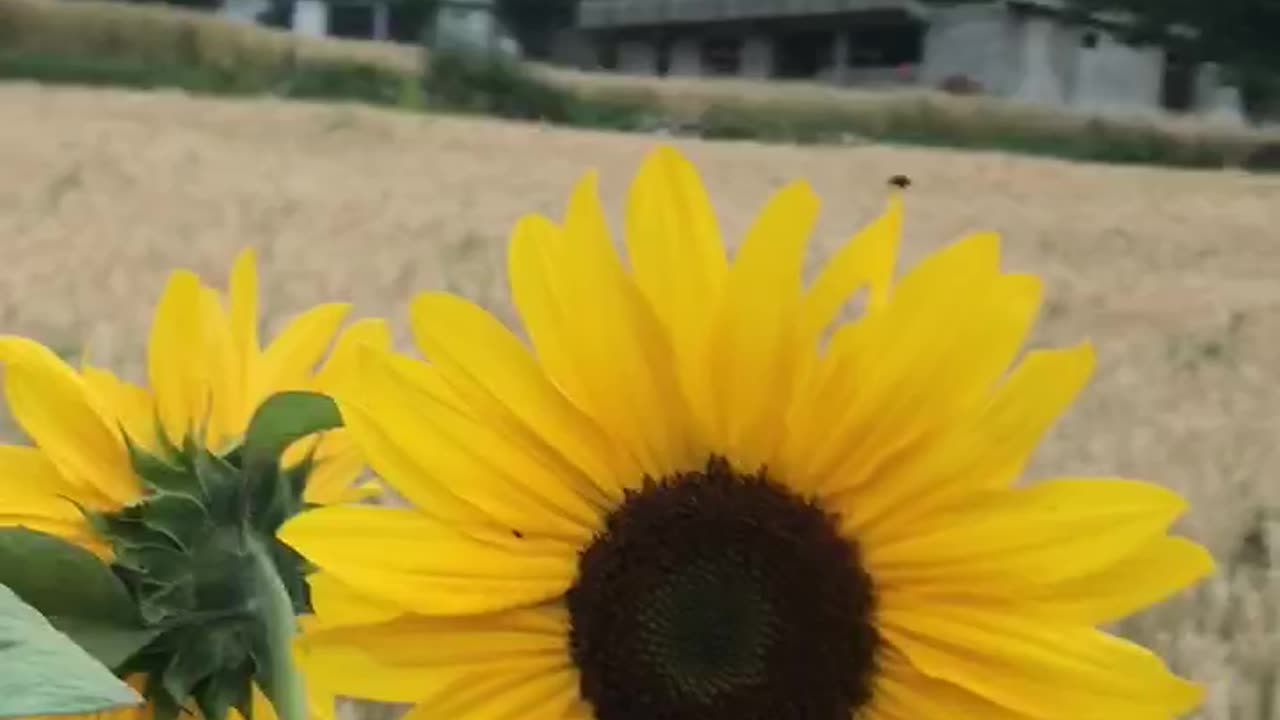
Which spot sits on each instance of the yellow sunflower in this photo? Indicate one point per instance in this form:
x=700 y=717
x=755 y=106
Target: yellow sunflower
x=704 y=494
x=207 y=376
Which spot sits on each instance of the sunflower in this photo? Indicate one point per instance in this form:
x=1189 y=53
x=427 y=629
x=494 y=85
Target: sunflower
x=80 y=479
x=713 y=491
x=207 y=375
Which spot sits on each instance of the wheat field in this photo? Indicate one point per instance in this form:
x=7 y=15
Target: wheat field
x=1174 y=275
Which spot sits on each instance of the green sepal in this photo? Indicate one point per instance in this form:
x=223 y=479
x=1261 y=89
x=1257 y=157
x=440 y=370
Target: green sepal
x=126 y=528
x=168 y=450
x=227 y=491
x=223 y=691
x=160 y=475
x=163 y=706
x=179 y=516
x=194 y=662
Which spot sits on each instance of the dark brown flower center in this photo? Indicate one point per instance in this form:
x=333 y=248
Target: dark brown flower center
x=715 y=594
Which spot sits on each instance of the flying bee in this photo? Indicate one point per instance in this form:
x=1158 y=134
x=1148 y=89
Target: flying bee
x=900 y=181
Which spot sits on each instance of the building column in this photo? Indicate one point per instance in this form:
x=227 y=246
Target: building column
x=839 y=71
x=1037 y=82
x=381 y=21
x=311 y=17
x=686 y=57
x=1215 y=99
x=637 y=57
x=757 y=56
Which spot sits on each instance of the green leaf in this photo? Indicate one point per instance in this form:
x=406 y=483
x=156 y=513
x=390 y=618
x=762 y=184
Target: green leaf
x=61 y=579
x=42 y=672
x=283 y=419
x=111 y=645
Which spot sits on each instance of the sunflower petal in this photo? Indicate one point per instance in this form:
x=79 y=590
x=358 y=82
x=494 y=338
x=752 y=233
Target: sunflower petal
x=244 y=308
x=343 y=364
x=866 y=260
x=425 y=660
x=1041 y=669
x=677 y=255
x=754 y=337
x=405 y=558
x=1050 y=532
x=288 y=363
x=132 y=405
x=53 y=405
x=524 y=632
x=588 y=320
x=932 y=356
x=338 y=463
x=1146 y=577
x=32 y=487
x=228 y=417
x=337 y=603
x=552 y=690
x=904 y=693
x=986 y=452
x=177 y=358
x=488 y=365
x=510 y=486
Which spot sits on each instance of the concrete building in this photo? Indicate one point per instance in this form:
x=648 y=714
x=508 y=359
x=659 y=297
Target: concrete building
x=381 y=20
x=1022 y=49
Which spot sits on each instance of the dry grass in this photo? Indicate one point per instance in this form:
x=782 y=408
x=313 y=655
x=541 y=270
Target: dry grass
x=167 y=34
x=689 y=97
x=159 y=34
x=1172 y=274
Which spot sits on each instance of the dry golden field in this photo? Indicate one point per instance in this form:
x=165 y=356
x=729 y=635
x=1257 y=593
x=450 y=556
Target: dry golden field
x=1174 y=275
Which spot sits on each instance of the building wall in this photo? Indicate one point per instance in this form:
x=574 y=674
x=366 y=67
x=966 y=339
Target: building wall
x=757 y=56
x=243 y=10
x=1114 y=77
x=976 y=42
x=311 y=17
x=637 y=57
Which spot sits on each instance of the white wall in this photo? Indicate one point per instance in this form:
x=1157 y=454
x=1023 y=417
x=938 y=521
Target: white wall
x=974 y=41
x=1040 y=70
x=311 y=17
x=1114 y=77
x=243 y=10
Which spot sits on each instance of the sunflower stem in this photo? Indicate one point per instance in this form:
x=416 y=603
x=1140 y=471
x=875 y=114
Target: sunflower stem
x=280 y=679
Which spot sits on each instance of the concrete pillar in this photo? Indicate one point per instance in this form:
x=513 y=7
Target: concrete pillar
x=1215 y=99
x=839 y=73
x=1037 y=81
x=381 y=21
x=757 y=56
x=686 y=57
x=637 y=57
x=311 y=18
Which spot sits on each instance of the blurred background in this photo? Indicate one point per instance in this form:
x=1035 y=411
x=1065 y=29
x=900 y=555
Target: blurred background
x=371 y=149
